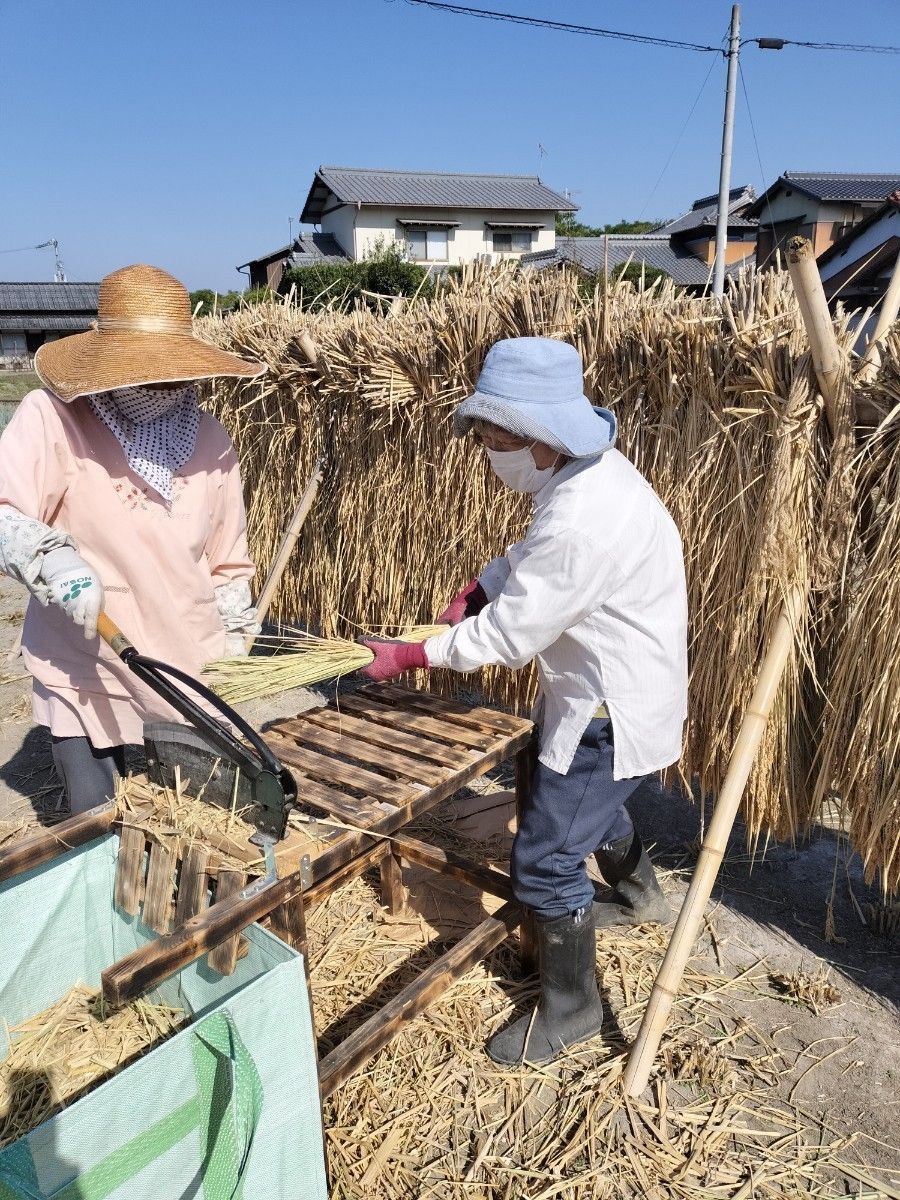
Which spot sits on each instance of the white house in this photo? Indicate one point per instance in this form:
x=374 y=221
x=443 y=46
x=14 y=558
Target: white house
x=442 y=218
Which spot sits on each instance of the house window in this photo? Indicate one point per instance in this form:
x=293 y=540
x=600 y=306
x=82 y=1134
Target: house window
x=12 y=345
x=427 y=245
x=512 y=241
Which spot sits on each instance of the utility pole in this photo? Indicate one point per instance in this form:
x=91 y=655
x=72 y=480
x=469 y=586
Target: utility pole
x=59 y=275
x=734 y=46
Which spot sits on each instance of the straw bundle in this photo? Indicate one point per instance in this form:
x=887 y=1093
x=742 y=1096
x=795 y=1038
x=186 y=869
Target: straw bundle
x=717 y=406
x=302 y=661
x=70 y=1047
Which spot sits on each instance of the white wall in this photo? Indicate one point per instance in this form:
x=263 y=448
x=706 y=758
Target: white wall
x=870 y=239
x=340 y=224
x=466 y=242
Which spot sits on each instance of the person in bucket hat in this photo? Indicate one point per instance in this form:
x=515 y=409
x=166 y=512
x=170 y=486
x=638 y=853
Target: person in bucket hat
x=117 y=492
x=594 y=594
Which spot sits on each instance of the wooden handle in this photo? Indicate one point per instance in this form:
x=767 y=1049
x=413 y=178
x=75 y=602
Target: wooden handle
x=288 y=542
x=112 y=634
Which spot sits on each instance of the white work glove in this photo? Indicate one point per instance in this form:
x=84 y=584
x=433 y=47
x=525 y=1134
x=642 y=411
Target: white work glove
x=235 y=646
x=74 y=586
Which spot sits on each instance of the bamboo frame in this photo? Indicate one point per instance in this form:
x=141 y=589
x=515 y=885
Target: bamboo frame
x=828 y=365
x=890 y=307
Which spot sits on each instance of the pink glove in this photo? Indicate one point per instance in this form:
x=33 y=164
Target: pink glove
x=393 y=658
x=469 y=603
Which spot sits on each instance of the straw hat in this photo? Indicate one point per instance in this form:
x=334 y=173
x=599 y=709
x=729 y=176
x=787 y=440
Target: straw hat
x=143 y=334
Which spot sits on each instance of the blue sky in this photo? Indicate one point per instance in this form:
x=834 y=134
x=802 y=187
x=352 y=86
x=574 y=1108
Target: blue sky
x=185 y=133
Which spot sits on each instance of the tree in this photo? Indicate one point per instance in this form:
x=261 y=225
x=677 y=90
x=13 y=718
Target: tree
x=385 y=271
x=567 y=226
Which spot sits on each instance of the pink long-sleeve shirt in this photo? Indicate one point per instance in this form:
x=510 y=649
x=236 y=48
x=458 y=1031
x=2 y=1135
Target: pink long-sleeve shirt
x=159 y=564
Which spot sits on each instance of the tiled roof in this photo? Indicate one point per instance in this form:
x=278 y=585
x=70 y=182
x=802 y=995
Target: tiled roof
x=312 y=248
x=49 y=297
x=430 y=189
x=891 y=205
x=593 y=253
x=835 y=187
x=703 y=213
x=37 y=322
x=305 y=249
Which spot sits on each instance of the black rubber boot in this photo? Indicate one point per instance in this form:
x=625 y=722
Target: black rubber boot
x=637 y=896
x=570 y=1008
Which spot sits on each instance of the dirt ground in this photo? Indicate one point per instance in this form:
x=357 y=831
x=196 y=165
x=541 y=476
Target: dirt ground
x=769 y=913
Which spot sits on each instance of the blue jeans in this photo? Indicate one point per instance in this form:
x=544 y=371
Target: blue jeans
x=565 y=819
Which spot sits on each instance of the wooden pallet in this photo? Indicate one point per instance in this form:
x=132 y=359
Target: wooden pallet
x=369 y=762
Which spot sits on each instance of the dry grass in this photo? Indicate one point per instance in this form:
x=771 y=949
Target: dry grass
x=61 y=1053
x=431 y=1118
x=718 y=408
x=814 y=992
x=299 y=659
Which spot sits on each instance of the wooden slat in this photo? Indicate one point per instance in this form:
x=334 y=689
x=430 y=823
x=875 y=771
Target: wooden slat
x=382 y=759
x=223 y=958
x=417 y=722
x=160 y=882
x=193 y=884
x=393 y=893
x=46 y=844
x=342 y=720
x=453 y=710
x=129 y=886
x=332 y=770
x=357 y=865
x=447 y=863
x=144 y=968
x=335 y=1068
x=341 y=805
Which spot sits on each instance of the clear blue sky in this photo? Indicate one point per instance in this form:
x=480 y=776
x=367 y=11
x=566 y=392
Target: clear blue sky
x=185 y=132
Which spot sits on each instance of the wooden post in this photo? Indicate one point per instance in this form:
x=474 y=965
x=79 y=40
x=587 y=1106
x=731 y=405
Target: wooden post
x=525 y=764
x=890 y=307
x=393 y=893
x=285 y=549
x=826 y=358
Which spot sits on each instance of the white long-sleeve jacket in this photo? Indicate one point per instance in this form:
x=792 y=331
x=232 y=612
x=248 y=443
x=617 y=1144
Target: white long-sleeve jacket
x=595 y=592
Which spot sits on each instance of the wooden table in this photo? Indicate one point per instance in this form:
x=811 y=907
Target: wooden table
x=373 y=760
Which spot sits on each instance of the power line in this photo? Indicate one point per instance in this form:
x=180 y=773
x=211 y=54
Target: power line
x=567 y=27
x=859 y=48
x=677 y=142
x=489 y=14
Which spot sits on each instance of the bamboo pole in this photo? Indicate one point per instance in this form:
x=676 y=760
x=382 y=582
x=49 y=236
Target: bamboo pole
x=285 y=549
x=890 y=307
x=826 y=358
x=656 y=1016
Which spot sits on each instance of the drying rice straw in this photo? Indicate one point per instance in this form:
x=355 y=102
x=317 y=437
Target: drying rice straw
x=306 y=660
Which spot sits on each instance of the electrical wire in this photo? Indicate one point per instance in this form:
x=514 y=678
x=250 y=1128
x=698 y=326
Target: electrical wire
x=489 y=14
x=677 y=142
x=566 y=26
x=859 y=48
x=20 y=249
x=762 y=174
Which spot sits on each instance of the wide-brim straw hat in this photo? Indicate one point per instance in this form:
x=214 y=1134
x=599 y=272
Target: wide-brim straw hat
x=534 y=388
x=144 y=334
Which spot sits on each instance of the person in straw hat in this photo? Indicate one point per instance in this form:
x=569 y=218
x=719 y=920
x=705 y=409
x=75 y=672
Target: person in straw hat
x=594 y=594
x=117 y=492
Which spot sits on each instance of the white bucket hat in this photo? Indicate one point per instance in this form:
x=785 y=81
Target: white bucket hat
x=534 y=387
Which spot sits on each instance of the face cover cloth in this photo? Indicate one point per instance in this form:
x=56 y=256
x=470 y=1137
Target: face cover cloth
x=156 y=427
x=518 y=470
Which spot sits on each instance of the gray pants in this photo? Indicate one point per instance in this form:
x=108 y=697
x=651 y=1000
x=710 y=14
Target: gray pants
x=87 y=774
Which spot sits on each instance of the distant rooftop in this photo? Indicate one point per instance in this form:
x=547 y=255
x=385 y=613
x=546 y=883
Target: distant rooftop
x=49 y=297
x=616 y=249
x=429 y=189
x=307 y=248
x=703 y=212
x=831 y=186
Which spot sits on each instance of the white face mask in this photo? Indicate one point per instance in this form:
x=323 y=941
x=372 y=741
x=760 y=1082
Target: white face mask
x=518 y=469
